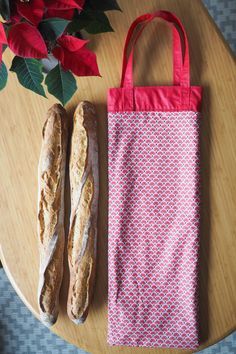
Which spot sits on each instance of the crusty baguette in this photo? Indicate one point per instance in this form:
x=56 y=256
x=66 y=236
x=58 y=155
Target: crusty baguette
x=84 y=184
x=51 y=180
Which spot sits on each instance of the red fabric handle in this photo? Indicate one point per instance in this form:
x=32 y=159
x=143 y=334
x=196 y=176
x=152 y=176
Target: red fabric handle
x=180 y=63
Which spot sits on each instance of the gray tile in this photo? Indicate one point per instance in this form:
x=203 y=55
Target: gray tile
x=224 y=14
x=226 y=346
x=21 y=332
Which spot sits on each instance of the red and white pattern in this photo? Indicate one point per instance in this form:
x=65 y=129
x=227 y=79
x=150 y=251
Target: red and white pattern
x=153 y=228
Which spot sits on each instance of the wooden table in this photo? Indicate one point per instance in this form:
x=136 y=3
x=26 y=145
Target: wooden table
x=22 y=116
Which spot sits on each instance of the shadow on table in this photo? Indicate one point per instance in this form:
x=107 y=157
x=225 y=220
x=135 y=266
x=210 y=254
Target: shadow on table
x=196 y=49
x=205 y=225
x=101 y=285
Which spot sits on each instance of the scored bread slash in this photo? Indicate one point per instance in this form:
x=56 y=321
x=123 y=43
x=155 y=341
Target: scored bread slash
x=84 y=183
x=50 y=222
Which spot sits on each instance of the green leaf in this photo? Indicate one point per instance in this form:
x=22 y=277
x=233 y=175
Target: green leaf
x=29 y=73
x=104 y=5
x=3 y=75
x=93 y=22
x=99 y=23
x=5 y=9
x=52 y=28
x=61 y=84
x=78 y=23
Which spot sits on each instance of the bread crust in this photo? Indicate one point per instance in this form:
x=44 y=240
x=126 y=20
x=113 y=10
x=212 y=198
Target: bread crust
x=50 y=222
x=82 y=240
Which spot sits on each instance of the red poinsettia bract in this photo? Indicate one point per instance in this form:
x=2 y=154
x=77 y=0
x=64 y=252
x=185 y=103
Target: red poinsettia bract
x=73 y=55
x=35 y=10
x=32 y=10
x=64 y=4
x=26 y=41
x=65 y=14
x=3 y=40
x=63 y=8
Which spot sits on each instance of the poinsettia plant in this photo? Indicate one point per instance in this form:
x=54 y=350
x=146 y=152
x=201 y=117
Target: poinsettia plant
x=38 y=29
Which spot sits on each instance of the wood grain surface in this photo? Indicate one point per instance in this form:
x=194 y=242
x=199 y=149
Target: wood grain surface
x=23 y=114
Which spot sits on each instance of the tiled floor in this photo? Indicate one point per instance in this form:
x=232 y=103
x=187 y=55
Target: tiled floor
x=224 y=15
x=33 y=337
x=22 y=333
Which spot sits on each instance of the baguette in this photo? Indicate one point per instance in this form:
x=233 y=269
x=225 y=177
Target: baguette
x=51 y=180
x=84 y=184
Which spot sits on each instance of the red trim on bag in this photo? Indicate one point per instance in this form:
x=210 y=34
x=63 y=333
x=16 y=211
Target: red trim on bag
x=180 y=97
x=155 y=98
x=181 y=61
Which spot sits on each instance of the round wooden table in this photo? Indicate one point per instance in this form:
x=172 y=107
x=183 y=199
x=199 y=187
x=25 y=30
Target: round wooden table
x=22 y=118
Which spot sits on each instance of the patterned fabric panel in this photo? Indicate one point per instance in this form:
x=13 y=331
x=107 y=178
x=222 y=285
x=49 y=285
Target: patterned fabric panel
x=153 y=228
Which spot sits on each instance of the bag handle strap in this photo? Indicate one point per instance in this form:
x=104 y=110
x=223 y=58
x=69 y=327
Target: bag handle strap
x=181 y=70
